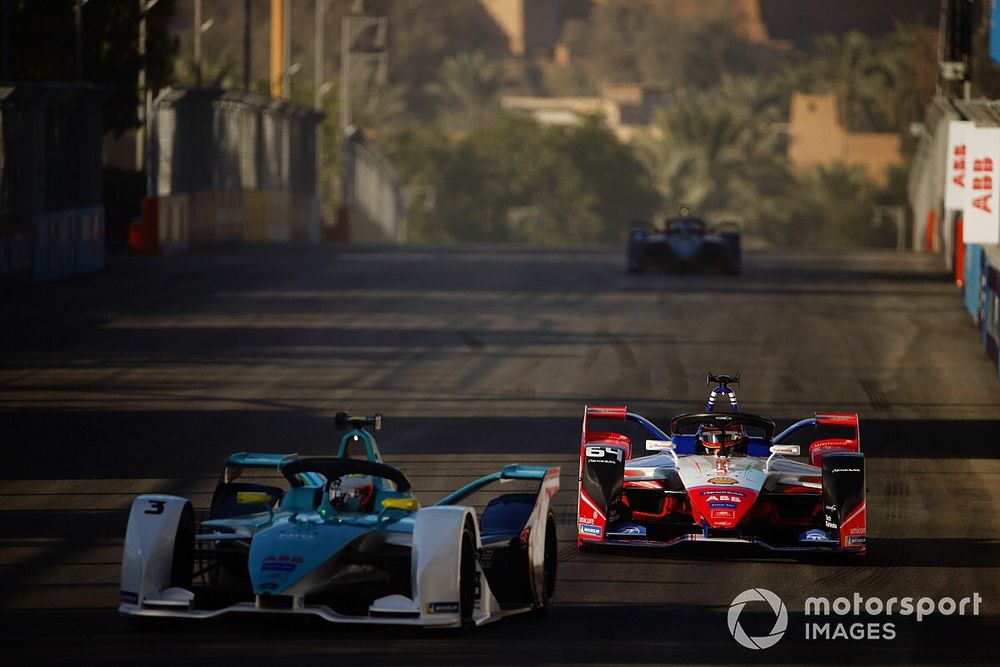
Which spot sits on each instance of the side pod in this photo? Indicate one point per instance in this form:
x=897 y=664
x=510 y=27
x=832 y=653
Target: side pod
x=156 y=561
x=602 y=473
x=844 y=503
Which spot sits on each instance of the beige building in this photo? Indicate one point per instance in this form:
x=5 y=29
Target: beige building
x=531 y=26
x=816 y=135
x=627 y=108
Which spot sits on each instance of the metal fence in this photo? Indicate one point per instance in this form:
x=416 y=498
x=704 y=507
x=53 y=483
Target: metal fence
x=228 y=166
x=51 y=212
x=373 y=192
x=213 y=139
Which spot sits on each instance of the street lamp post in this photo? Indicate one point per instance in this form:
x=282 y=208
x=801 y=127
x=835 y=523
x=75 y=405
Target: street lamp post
x=350 y=28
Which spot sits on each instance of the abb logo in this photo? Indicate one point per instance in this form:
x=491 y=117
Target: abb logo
x=958 y=165
x=982 y=184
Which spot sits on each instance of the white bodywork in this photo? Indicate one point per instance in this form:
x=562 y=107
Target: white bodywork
x=149 y=551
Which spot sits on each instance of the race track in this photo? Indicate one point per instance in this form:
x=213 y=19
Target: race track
x=145 y=377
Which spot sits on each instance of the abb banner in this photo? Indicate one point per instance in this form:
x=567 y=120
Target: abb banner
x=959 y=133
x=982 y=191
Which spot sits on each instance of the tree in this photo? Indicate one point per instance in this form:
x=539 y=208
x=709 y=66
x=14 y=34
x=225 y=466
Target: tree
x=468 y=88
x=512 y=179
x=720 y=153
x=43 y=43
x=850 y=66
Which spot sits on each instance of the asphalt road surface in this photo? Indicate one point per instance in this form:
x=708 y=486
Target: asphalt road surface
x=145 y=377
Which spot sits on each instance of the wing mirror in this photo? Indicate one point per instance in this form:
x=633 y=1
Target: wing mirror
x=253 y=498
x=408 y=504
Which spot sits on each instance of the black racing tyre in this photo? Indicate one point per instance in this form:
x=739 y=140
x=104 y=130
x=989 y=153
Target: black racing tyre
x=182 y=565
x=550 y=563
x=467 y=575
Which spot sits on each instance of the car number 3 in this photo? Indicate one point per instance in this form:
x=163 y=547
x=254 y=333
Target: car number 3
x=155 y=507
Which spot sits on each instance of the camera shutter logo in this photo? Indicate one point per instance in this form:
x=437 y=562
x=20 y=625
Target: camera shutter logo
x=780 y=622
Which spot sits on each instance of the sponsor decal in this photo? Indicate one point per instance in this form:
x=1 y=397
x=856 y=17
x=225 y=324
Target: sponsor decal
x=591 y=530
x=723 y=514
x=816 y=536
x=283 y=558
x=443 y=608
x=660 y=445
x=831 y=508
x=297 y=536
x=601 y=454
x=278 y=567
x=780 y=619
x=856 y=540
x=846 y=470
x=586 y=519
x=722 y=480
x=128 y=597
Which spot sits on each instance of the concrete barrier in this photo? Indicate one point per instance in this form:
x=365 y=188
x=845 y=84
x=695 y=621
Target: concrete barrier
x=279 y=213
x=174 y=224
x=305 y=218
x=255 y=217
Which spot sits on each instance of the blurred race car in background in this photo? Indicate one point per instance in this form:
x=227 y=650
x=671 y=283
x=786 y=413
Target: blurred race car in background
x=686 y=245
x=722 y=477
x=345 y=540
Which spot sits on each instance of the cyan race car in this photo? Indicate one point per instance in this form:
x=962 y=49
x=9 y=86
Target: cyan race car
x=343 y=539
x=722 y=477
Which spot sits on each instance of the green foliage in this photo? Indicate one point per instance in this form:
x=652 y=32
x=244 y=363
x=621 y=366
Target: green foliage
x=43 y=49
x=512 y=179
x=468 y=88
x=721 y=153
x=657 y=44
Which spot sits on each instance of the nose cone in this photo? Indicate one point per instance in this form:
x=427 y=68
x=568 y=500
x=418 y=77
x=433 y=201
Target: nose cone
x=282 y=555
x=721 y=507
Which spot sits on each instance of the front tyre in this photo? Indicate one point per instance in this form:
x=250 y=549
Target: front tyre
x=467 y=576
x=549 y=564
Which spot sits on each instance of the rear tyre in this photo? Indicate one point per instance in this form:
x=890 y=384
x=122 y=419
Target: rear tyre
x=467 y=576
x=549 y=564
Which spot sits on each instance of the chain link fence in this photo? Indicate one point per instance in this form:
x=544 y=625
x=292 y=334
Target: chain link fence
x=51 y=211
x=228 y=165
x=373 y=192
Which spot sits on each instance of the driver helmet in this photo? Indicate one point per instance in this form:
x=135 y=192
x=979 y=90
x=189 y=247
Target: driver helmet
x=353 y=493
x=714 y=440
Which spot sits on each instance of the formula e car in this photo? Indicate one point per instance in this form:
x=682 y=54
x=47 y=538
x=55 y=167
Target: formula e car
x=343 y=539
x=686 y=245
x=722 y=477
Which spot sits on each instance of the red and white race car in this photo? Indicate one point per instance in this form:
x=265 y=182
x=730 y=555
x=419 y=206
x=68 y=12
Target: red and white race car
x=722 y=477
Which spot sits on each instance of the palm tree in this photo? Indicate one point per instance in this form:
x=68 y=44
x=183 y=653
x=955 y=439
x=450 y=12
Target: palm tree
x=850 y=67
x=469 y=87
x=720 y=153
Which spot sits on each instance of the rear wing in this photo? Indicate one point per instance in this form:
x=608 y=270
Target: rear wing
x=615 y=412
x=547 y=477
x=835 y=419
